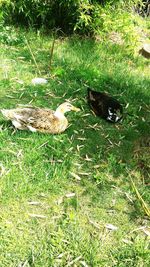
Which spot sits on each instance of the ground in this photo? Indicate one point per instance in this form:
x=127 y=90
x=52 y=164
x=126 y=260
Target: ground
x=68 y=199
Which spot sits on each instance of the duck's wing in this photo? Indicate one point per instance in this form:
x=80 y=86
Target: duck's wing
x=18 y=113
x=26 y=114
x=42 y=120
x=20 y=117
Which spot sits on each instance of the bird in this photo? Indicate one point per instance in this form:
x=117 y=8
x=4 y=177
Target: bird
x=105 y=106
x=38 y=119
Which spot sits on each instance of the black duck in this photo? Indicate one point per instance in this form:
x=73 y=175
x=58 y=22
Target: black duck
x=105 y=106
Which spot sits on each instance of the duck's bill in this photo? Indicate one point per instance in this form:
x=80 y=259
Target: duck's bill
x=75 y=109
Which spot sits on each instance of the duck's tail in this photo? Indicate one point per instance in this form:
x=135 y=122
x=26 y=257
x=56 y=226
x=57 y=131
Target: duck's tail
x=7 y=113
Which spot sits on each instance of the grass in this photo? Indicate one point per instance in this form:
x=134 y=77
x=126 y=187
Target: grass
x=58 y=193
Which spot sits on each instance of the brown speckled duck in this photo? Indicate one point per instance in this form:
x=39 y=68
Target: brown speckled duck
x=40 y=119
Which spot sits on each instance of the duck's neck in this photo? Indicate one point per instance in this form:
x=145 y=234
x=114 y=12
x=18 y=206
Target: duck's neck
x=59 y=114
x=62 y=122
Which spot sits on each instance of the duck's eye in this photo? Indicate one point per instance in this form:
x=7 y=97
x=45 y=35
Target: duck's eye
x=69 y=105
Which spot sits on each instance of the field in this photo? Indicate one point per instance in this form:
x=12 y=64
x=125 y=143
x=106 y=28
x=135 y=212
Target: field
x=74 y=199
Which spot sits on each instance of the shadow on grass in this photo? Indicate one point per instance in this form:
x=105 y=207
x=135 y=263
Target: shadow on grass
x=105 y=68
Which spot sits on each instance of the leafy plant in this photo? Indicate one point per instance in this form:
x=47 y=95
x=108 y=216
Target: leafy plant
x=8 y=35
x=83 y=16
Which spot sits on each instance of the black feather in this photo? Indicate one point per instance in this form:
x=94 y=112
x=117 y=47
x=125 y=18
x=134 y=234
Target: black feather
x=105 y=106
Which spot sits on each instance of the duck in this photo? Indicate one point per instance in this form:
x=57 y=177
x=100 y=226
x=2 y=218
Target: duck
x=105 y=106
x=38 y=119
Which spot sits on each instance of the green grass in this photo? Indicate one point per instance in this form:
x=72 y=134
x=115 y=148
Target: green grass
x=37 y=170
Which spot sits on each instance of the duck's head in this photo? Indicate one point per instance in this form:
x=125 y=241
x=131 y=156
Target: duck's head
x=65 y=107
